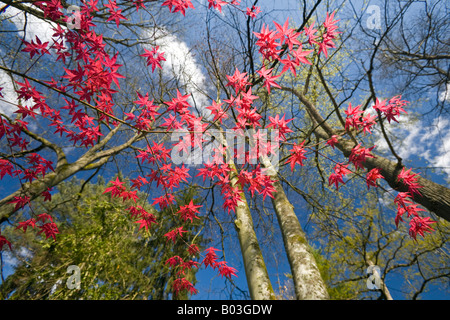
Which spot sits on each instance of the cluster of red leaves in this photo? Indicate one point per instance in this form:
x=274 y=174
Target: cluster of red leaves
x=392 y=109
x=154 y=57
x=91 y=80
x=256 y=181
x=119 y=190
x=178 y=5
x=328 y=35
x=417 y=225
x=44 y=222
x=340 y=170
x=182 y=5
x=253 y=11
x=180 y=265
x=211 y=258
x=355 y=119
x=33 y=166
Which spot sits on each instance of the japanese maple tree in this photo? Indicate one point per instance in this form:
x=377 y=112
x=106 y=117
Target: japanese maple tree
x=90 y=119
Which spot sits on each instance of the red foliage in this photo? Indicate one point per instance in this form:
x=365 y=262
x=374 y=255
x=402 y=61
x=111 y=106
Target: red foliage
x=91 y=84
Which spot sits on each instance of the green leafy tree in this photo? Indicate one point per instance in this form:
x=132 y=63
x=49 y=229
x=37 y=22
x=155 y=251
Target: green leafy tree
x=357 y=240
x=98 y=239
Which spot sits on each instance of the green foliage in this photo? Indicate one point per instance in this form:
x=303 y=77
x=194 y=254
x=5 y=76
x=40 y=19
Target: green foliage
x=359 y=235
x=327 y=268
x=115 y=259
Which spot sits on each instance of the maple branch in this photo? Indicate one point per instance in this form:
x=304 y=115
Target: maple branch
x=434 y=197
x=330 y=95
x=61 y=156
x=373 y=94
x=63 y=170
x=311 y=109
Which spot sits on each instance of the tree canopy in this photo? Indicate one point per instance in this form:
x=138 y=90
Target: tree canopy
x=291 y=135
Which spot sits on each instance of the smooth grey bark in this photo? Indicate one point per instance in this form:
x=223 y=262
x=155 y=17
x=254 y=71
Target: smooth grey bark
x=308 y=282
x=258 y=280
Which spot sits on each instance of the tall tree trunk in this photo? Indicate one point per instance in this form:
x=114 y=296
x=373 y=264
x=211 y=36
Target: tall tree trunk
x=308 y=282
x=255 y=268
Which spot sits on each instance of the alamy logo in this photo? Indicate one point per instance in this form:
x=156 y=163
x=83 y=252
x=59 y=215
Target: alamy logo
x=74 y=281
x=74 y=17
x=374 y=21
x=219 y=147
x=374 y=279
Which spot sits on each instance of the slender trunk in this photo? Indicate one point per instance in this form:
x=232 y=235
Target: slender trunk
x=255 y=268
x=308 y=281
x=384 y=289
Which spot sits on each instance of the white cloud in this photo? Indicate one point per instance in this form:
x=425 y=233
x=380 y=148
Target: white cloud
x=181 y=64
x=442 y=135
x=29 y=27
x=445 y=95
x=412 y=138
x=9 y=260
x=9 y=94
x=32 y=25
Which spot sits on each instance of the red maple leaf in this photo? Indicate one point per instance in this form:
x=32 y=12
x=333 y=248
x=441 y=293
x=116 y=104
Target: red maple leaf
x=4 y=241
x=174 y=261
x=335 y=178
x=225 y=270
x=116 y=15
x=154 y=57
x=25 y=224
x=280 y=124
x=210 y=257
x=49 y=229
x=297 y=155
x=116 y=189
x=269 y=80
x=372 y=177
x=188 y=211
x=253 y=12
x=171 y=235
x=20 y=201
x=146 y=221
x=410 y=179
x=178 y=5
x=420 y=225
x=238 y=80
x=288 y=35
x=6 y=167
